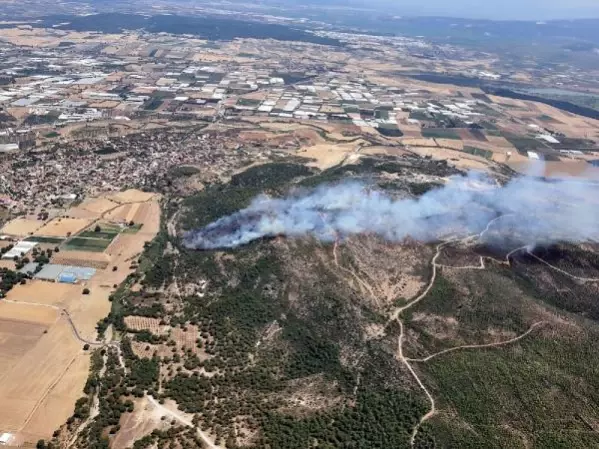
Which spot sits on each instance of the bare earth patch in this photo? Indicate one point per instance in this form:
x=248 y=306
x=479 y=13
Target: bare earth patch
x=63 y=227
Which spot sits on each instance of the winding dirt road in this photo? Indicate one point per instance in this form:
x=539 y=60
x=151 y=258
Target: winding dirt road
x=395 y=316
x=482 y=346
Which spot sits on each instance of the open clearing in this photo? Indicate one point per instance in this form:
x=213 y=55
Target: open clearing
x=144 y=419
x=21 y=227
x=63 y=227
x=328 y=155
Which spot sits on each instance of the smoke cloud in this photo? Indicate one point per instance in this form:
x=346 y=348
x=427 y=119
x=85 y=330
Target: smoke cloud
x=527 y=211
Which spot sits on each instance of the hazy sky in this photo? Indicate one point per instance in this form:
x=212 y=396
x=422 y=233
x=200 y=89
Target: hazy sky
x=500 y=9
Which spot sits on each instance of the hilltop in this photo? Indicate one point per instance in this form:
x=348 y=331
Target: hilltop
x=284 y=343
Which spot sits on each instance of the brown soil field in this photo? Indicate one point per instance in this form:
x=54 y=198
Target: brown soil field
x=59 y=403
x=42 y=292
x=28 y=313
x=451 y=144
x=144 y=213
x=390 y=151
x=105 y=104
x=98 y=205
x=414 y=133
x=572 y=125
x=87 y=310
x=328 y=155
x=16 y=338
x=256 y=136
x=10 y=264
x=132 y=196
x=77 y=212
x=186 y=339
x=136 y=212
x=21 y=227
x=467 y=135
x=82 y=258
x=456 y=158
x=63 y=227
x=420 y=142
x=120 y=213
x=28 y=383
x=147 y=350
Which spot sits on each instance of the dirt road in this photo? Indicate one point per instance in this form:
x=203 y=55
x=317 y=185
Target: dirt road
x=488 y=345
x=183 y=420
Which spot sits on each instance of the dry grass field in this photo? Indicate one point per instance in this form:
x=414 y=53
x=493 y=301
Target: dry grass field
x=328 y=155
x=43 y=292
x=78 y=212
x=451 y=144
x=28 y=313
x=98 y=205
x=127 y=213
x=21 y=227
x=132 y=196
x=38 y=350
x=16 y=338
x=63 y=227
x=120 y=213
x=458 y=159
x=82 y=259
x=60 y=399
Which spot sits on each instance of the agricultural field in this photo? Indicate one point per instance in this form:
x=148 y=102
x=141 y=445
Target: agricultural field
x=86 y=244
x=21 y=227
x=132 y=196
x=43 y=370
x=62 y=227
x=44 y=292
x=43 y=366
x=479 y=152
x=440 y=133
x=98 y=205
x=139 y=323
x=45 y=240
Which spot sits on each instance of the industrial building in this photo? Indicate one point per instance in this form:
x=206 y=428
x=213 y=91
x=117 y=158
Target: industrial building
x=65 y=273
x=19 y=249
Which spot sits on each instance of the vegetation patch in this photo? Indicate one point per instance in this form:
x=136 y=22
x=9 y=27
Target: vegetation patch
x=49 y=240
x=86 y=244
x=479 y=152
x=440 y=133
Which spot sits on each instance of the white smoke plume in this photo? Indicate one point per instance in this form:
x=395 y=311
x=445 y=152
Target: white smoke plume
x=532 y=211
